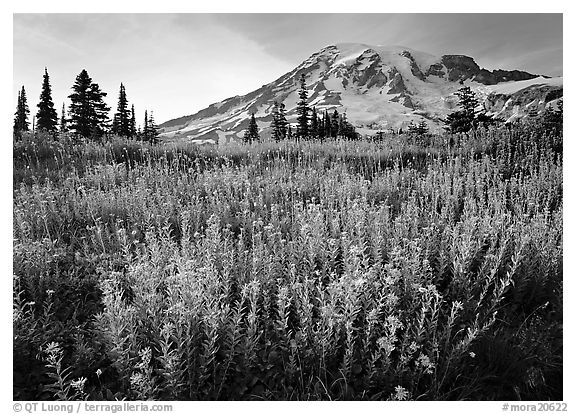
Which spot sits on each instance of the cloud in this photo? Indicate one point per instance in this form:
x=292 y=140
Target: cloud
x=177 y=64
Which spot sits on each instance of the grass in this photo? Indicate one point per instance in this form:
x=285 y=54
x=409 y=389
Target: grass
x=400 y=269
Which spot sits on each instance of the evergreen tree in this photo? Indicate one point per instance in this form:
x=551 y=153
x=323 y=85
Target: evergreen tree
x=144 y=134
x=341 y=125
x=100 y=109
x=422 y=128
x=327 y=125
x=21 y=123
x=47 y=119
x=345 y=128
x=121 y=124
x=314 y=124
x=283 y=123
x=16 y=128
x=464 y=119
x=321 y=128
x=302 y=108
x=467 y=100
x=251 y=134
x=278 y=122
x=553 y=120
x=152 y=133
x=289 y=132
x=88 y=111
x=132 y=127
x=334 y=124
x=63 y=127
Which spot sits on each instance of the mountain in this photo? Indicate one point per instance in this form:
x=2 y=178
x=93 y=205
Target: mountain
x=378 y=87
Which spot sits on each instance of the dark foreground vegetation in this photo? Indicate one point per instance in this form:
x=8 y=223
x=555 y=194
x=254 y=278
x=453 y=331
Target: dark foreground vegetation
x=426 y=268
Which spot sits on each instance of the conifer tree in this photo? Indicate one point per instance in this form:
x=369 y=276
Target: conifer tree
x=132 y=127
x=88 y=111
x=152 y=129
x=150 y=132
x=276 y=135
x=144 y=134
x=278 y=122
x=251 y=134
x=464 y=119
x=21 y=123
x=327 y=124
x=334 y=124
x=282 y=122
x=302 y=108
x=47 y=119
x=63 y=127
x=422 y=128
x=314 y=124
x=16 y=128
x=121 y=124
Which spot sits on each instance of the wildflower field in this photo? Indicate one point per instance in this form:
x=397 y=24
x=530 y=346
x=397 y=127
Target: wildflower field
x=402 y=269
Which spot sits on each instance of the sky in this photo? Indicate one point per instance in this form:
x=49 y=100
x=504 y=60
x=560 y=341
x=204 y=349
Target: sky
x=177 y=64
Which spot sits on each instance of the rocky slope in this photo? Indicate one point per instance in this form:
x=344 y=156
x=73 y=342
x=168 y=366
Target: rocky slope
x=378 y=87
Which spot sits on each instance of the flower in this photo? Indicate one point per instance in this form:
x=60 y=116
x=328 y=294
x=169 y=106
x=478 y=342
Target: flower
x=401 y=394
x=78 y=384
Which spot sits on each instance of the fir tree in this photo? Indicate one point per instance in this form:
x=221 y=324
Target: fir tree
x=327 y=125
x=278 y=122
x=422 y=128
x=63 y=127
x=47 y=119
x=132 y=127
x=334 y=124
x=302 y=108
x=464 y=119
x=121 y=124
x=21 y=123
x=283 y=123
x=88 y=112
x=314 y=124
x=152 y=132
x=144 y=133
x=467 y=100
x=552 y=120
x=16 y=128
x=251 y=134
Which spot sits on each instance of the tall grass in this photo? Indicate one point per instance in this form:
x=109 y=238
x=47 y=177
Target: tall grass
x=293 y=270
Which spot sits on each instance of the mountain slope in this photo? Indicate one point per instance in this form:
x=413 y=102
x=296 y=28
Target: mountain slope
x=379 y=87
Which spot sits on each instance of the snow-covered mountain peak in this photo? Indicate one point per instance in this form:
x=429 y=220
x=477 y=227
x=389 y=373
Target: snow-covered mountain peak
x=379 y=87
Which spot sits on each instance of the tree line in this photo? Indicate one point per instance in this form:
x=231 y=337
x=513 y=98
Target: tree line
x=465 y=119
x=87 y=114
x=310 y=124
x=468 y=118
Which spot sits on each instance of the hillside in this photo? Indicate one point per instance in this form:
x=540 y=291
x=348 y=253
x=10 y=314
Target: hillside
x=378 y=87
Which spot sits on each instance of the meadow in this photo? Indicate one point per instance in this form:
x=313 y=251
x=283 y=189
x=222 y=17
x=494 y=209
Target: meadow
x=409 y=268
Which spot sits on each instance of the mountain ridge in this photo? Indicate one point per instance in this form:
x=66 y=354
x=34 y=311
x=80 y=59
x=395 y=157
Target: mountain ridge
x=379 y=87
